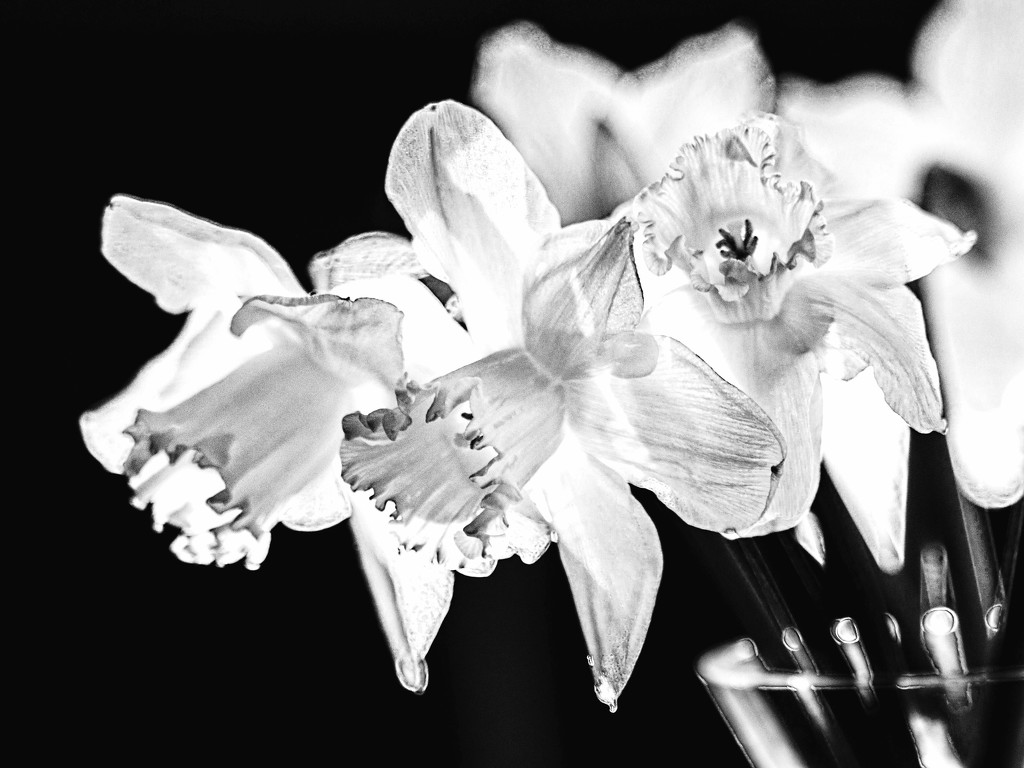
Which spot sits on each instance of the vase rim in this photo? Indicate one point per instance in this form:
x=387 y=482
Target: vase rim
x=737 y=665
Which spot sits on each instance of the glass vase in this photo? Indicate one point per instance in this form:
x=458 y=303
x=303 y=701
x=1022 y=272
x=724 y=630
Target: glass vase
x=796 y=717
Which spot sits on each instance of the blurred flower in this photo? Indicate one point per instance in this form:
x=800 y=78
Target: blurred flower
x=237 y=425
x=594 y=135
x=954 y=138
x=774 y=287
x=539 y=437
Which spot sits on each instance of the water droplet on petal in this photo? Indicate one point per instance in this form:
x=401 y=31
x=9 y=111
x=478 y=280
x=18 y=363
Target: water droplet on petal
x=590 y=660
x=606 y=693
x=412 y=673
x=730 y=533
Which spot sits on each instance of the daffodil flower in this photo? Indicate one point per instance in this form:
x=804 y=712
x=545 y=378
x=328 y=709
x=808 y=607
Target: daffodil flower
x=595 y=135
x=539 y=438
x=953 y=138
x=268 y=429
x=237 y=425
x=773 y=287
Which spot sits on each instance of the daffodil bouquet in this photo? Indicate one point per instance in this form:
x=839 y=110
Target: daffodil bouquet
x=626 y=281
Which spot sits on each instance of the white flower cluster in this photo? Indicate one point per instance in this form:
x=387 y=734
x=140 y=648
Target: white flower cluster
x=764 y=325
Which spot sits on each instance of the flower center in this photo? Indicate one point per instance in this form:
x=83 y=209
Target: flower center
x=745 y=270
x=732 y=247
x=243 y=447
x=489 y=425
x=739 y=229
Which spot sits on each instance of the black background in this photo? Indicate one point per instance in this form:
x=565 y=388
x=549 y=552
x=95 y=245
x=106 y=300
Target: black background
x=278 y=119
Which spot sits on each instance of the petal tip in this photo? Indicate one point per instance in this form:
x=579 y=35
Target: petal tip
x=889 y=561
x=810 y=537
x=606 y=693
x=412 y=673
x=110 y=450
x=965 y=243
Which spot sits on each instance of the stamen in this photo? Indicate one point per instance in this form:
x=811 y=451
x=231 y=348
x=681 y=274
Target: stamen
x=728 y=245
x=749 y=238
x=743 y=249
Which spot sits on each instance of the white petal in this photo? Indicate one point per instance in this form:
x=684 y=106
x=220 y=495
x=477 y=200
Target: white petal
x=476 y=211
x=324 y=502
x=529 y=533
x=235 y=545
x=875 y=137
x=182 y=259
x=355 y=340
x=893 y=237
x=791 y=395
x=969 y=57
x=855 y=320
x=550 y=100
x=587 y=287
x=203 y=353
x=763 y=361
x=866 y=450
x=596 y=136
x=371 y=254
x=706 y=450
x=707 y=83
x=987 y=450
x=611 y=553
x=188 y=264
x=432 y=342
x=411 y=593
x=810 y=537
x=975 y=316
